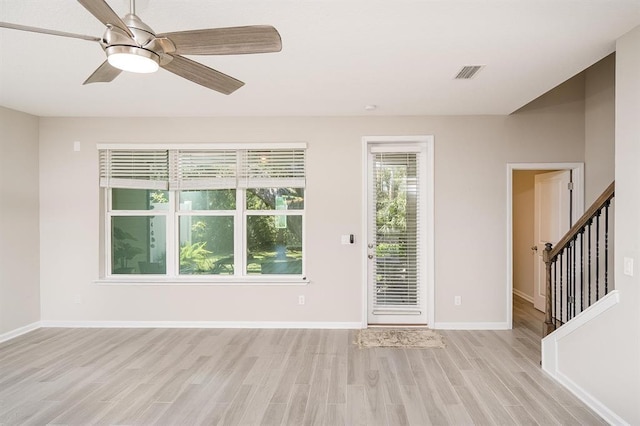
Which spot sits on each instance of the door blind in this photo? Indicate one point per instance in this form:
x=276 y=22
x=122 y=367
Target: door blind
x=397 y=213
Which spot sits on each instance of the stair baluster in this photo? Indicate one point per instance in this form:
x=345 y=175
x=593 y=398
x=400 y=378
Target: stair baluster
x=565 y=265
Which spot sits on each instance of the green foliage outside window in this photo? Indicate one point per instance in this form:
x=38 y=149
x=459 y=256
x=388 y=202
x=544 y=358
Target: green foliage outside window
x=391 y=210
x=273 y=241
x=206 y=242
x=195 y=258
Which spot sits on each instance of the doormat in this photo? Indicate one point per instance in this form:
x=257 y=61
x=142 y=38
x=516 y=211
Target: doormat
x=398 y=338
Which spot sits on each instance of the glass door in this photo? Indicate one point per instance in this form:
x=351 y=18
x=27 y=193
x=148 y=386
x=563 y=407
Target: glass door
x=396 y=240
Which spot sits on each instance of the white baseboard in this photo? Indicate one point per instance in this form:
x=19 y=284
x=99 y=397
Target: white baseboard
x=19 y=331
x=598 y=407
x=550 y=356
x=471 y=326
x=523 y=295
x=201 y=324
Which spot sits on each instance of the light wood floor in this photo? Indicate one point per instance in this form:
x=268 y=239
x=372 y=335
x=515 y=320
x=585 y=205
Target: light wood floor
x=296 y=377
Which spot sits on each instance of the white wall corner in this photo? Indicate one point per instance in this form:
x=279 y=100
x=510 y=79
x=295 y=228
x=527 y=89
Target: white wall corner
x=550 y=356
x=592 y=402
x=19 y=331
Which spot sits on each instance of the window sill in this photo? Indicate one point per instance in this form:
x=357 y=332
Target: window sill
x=240 y=281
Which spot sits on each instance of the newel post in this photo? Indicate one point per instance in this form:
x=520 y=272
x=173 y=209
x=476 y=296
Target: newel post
x=549 y=326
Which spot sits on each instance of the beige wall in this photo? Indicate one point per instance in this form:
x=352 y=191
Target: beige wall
x=599 y=127
x=603 y=356
x=70 y=246
x=550 y=128
x=471 y=154
x=19 y=241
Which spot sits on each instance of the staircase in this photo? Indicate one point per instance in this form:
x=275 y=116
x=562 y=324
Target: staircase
x=579 y=269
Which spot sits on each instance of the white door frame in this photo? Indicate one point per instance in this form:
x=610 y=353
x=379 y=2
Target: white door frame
x=428 y=212
x=577 y=211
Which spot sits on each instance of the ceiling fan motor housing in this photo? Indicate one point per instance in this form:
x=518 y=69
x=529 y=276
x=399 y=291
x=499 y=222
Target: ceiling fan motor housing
x=144 y=41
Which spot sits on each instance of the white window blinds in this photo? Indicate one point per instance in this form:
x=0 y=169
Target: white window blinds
x=272 y=168
x=178 y=169
x=397 y=212
x=138 y=169
x=203 y=169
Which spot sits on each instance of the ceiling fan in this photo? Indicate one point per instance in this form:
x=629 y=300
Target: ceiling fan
x=131 y=45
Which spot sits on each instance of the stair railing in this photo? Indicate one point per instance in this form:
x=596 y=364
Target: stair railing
x=578 y=268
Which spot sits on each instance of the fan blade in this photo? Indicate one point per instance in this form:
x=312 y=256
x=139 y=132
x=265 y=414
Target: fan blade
x=226 y=41
x=45 y=31
x=101 y=10
x=203 y=75
x=104 y=74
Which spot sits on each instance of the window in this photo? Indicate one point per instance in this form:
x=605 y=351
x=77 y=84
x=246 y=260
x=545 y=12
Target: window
x=204 y=214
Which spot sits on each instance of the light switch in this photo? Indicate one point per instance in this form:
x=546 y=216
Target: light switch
x=628 y=266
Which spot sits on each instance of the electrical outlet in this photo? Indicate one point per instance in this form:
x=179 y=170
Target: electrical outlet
x=300 y=300
x=457 y=300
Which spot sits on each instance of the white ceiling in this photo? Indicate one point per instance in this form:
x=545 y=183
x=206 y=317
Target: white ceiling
x=337 y=56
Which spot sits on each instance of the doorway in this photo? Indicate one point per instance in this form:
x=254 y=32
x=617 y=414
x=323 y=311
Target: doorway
x=524 y=248
x=398 y=211
x=551 y=221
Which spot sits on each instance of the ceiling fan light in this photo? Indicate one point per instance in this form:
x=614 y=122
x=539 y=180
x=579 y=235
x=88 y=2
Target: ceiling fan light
x=133 y=59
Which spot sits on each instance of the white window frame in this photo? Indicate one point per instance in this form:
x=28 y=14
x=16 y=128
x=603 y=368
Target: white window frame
x=109 y=213
x=172 y=215
x=299 y=212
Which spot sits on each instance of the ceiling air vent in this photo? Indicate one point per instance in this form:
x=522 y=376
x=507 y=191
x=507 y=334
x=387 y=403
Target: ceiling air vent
x=468 y=71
